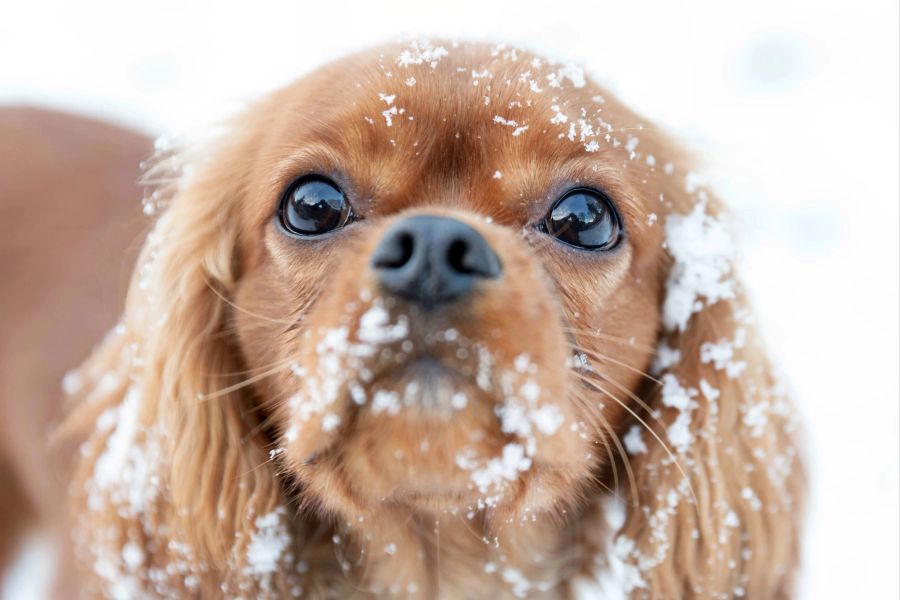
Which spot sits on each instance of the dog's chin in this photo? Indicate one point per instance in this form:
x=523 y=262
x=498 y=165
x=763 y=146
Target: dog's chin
x=424 y=431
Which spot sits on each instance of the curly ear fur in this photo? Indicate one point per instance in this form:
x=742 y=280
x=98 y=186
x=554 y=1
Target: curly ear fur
x=192 y=484
x=717 y=511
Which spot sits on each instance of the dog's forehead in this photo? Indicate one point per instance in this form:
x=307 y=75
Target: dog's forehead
x=433 y=123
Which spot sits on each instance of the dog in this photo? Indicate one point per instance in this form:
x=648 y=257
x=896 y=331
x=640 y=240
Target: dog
x=439 y=320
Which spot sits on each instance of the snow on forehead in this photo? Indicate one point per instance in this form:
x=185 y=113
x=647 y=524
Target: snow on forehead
x=410 y=65
x=499 y=86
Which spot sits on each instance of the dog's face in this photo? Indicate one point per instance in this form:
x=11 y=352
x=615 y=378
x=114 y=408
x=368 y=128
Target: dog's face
x=450 y=268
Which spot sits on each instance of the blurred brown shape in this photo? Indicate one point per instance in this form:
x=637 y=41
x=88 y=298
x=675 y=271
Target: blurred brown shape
x=70 y=229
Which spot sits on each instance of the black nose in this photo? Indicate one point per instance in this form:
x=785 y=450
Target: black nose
x=430 y=260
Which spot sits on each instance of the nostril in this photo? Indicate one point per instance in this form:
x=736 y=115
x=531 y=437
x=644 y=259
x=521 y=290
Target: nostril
x=456 y=257
x=471 y=256
x=395 y=254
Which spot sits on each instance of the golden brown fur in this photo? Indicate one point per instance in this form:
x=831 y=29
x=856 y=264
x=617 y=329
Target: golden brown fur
x=231 y=328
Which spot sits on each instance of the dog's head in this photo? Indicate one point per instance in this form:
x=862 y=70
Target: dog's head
x=431 y=263
x=434 y=279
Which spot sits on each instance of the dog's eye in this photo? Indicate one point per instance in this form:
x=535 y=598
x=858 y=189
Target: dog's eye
x=313 y=206
x=584 y=218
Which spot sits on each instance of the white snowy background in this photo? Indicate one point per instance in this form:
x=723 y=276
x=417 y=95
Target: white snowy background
x=794 y=106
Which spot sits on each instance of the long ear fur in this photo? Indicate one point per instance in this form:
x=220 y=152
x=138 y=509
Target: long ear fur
x=719 y=481
x=173 y=483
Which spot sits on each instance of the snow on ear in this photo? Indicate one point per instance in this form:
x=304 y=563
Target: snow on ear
x=701 y=274
x=172 y=473
x=719 y=481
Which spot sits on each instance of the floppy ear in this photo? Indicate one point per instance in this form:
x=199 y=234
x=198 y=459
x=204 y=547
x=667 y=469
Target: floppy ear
x=719 y=482
x=174 y=482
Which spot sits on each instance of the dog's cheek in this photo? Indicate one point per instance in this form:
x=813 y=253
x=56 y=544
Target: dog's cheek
x=260 y=313
x=267 y=316
x=614 y=324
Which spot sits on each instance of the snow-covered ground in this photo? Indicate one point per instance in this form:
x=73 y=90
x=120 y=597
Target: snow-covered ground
x=793 y=104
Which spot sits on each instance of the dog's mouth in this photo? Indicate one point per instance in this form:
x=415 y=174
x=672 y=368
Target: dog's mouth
x=438 y=417
x=397 y=363
x=424 y=383
x=402 y=434
x=425 y=386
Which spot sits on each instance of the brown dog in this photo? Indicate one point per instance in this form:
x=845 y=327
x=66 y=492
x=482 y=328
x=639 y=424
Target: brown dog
x=409 y=328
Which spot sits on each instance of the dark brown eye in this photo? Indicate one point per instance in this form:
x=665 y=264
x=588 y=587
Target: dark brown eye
x=584 y=218
x=313 y=206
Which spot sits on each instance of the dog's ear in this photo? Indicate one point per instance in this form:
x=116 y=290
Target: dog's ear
x=719 y=481
x=173 y=465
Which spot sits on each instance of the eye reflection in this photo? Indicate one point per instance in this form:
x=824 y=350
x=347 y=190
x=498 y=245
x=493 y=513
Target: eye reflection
x=584 y=218
x=314 y=205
